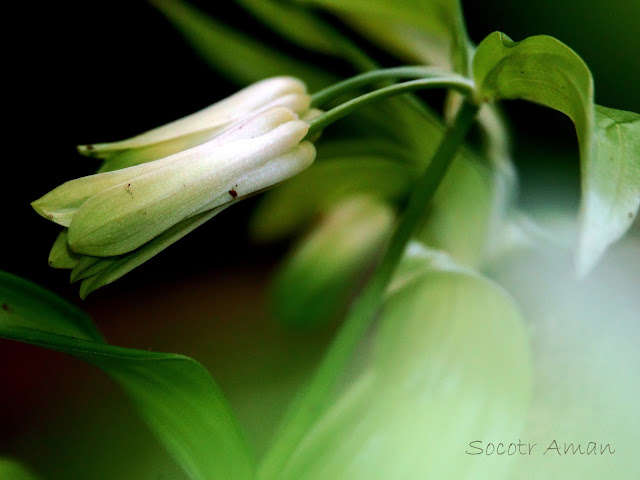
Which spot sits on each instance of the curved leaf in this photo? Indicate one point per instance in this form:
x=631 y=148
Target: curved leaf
x=10 y=470
x=451 y=365
x=174 y=394
x=543 y=70
x=240 y=58
x=297 y=24
x=319 y=276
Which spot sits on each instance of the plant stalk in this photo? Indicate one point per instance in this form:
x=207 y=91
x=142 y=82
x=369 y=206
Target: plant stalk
x=311 y=402
x=454 y=82
x=375 y=76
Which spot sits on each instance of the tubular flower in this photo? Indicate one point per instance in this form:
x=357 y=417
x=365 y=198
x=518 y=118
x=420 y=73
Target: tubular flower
x=116 y=220
x=201 y=126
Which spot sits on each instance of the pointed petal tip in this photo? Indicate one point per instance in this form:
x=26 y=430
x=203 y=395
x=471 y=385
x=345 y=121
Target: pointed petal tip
x=86 y=150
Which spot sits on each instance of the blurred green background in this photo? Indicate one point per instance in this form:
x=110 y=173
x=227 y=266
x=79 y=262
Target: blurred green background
x=102 y=71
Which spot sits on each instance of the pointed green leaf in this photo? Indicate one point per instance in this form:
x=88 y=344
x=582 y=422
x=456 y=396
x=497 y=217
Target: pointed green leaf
x=175 y=395
x=451 y=365
x=237 y=56
x=10 y=470
x=28 y=306
x=297 y=24
x=543 y=70
x=319 y=276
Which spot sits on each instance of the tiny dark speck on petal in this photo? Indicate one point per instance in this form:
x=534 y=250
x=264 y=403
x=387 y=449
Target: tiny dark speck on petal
x=233 y=193
x=630 y=214
x=89 y=147
x=6 y=308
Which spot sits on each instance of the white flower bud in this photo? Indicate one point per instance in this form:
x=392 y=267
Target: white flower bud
x=116 y=220
x=202 y=126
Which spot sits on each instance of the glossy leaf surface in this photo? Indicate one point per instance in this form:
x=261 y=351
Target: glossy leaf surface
x=174 y=394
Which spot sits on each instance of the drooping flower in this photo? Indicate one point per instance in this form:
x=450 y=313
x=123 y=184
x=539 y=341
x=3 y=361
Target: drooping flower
x=116 y=220
x=203 y=125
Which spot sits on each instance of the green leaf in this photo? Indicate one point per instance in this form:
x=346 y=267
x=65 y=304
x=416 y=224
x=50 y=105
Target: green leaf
x=613 y=182
x=293 y=205
x=238 y=57
x=299 y=25
x=459 y=217
x=11 y=470
x=319 y=276
x=174 y=394
x=451 y=364
x=413 y=28
x=29 y=306
x=539 y=69
x=543 y=70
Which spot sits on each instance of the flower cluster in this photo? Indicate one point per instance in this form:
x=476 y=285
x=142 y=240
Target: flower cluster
x=175 y=178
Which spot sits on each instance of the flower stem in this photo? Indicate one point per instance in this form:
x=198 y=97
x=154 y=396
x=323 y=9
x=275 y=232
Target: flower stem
x=310 y=403
x=407 y=72
x=453 y=81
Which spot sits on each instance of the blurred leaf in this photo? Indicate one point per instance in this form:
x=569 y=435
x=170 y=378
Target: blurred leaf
x=10 y=470
x=419 y=260
x=29 y=306
x=299 y=25
x=294 y=205
x=175 y=395
x=434 y=28
x=451 y=365
x=543 y=70
x=240 y=58
x=613 y=180
x=317 y=279
x=459 y=216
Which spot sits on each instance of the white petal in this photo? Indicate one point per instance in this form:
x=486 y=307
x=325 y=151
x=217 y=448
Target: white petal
x=214 y=118
x=61 y=204
x=128 y=215
x=268 y=174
